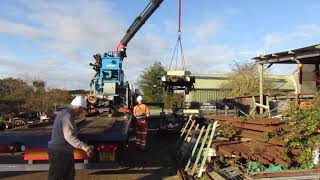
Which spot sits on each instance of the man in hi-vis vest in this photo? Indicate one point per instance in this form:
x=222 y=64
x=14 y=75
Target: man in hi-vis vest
x=141 y=112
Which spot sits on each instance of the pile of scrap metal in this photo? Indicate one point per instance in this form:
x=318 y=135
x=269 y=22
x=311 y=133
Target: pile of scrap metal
x=12 y=120
x=178 y=80
x=242 y=141
x=258 y=146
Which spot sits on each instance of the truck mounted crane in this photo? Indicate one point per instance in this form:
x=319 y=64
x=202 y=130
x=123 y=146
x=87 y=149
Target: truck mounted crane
x=107 y=134
x=110 y=90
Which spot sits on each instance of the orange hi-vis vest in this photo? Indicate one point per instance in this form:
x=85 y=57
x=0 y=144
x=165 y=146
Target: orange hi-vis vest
x=140 y=109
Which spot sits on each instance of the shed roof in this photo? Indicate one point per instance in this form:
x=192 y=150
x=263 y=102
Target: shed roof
x=305 y=55
x=216 y=82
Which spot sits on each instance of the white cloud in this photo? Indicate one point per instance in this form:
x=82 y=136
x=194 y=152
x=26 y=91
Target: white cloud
x=204 y=31
x=300 y=36
x=56 y=72
x=68 y=33
x=311 y=28
x=21 y=30
x=209 y=59
x=302 y=33
x=282 y=38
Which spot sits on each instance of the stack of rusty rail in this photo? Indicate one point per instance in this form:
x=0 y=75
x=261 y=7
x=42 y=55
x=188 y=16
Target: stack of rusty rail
x=252 y=140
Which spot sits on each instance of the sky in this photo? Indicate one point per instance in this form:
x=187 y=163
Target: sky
x=55 y=40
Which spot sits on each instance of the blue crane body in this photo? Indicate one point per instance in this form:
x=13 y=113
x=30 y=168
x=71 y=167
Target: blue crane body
x=110 y=88
x=110 y=74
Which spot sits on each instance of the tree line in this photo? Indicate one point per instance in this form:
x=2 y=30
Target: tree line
x=19 y=95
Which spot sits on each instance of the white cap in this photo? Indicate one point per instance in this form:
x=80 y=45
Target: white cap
x=139 y=98
x=79 y=101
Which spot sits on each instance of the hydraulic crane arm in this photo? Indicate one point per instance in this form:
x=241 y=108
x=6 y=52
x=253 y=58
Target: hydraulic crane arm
x=137 y=24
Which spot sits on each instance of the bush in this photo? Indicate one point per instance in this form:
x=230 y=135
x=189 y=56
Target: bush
x=32 y=97
x=303 y=131
x=148 y=83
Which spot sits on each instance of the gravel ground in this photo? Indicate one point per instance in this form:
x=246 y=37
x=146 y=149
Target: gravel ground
x=155 y=163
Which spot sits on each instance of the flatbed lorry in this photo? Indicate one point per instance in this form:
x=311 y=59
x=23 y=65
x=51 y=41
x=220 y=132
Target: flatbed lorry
x=106 y=133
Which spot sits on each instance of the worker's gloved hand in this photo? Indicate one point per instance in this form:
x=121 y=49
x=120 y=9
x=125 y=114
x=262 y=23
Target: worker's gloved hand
x=90 y=152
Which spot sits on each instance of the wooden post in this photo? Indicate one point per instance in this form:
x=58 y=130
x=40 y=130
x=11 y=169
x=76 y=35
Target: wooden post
x=261 y=87
x=299 y=86
x=300 y=66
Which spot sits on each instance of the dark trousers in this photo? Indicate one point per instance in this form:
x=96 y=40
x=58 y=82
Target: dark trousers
x=61 y=165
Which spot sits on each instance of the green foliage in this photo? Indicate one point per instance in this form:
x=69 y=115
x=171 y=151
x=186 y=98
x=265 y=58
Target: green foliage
x=303 y=131
x=254 y=167
x=2 y=120
x=148 y=83
x=14 y=90
x=303 y=128
x=34 y=96
x=306 y=159
x=45 y=101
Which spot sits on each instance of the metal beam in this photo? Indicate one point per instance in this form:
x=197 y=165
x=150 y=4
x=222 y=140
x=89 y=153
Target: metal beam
x=45 y=167
x=279 y=59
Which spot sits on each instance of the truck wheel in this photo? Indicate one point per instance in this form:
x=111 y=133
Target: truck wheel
x=19 y=122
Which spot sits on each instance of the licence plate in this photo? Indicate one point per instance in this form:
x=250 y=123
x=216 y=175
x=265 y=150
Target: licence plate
x=107 y=156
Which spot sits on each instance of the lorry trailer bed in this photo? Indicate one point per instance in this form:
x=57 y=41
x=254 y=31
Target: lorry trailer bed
x=90 y=129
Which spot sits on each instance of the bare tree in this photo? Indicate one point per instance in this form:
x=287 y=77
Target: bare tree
x=244 y=80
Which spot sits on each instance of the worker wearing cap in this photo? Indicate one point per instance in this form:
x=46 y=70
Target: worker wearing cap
x=63 y=140
x=141 y=112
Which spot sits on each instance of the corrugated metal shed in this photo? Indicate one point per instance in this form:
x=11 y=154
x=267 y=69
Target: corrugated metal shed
x=203 y=96
x=282 y=82
x=210 y=81
x=209 y=87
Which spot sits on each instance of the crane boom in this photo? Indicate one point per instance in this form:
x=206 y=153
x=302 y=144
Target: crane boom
x=138 y=23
